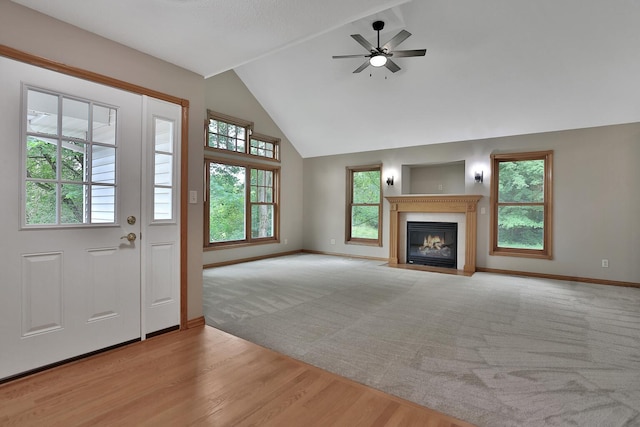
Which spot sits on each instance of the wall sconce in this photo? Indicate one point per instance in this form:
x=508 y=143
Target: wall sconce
x=479 y=176
x=390 y=180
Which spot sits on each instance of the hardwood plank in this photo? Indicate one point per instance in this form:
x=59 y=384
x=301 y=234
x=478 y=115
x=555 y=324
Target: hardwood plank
x=201 y=376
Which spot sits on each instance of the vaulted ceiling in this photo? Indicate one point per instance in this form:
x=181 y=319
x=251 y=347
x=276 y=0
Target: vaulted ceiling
x=492 y=68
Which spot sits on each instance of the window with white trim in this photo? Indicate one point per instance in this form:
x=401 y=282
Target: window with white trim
x=69 y=160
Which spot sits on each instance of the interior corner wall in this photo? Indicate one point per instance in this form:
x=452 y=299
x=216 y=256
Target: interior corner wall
x=596 y=204
x=226 y=93
x=34 y=33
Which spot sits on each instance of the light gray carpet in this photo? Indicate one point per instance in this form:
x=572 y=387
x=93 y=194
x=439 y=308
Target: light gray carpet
x=490 y=349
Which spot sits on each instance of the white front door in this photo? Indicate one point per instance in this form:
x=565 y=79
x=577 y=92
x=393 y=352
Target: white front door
x=70 y=184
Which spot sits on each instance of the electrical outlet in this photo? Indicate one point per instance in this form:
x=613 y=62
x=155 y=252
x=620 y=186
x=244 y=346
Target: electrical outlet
x=483 y=211
x=286 y=241
x=333 y=241
x=193 y=197
x=605 y=263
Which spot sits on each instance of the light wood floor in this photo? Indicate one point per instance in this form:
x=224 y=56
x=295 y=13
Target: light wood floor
x=202 y=376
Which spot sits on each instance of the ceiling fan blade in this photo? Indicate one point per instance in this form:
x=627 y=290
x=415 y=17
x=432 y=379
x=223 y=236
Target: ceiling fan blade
x=399 y=38
x=392 y=66
x=405 y=53
x=362 y=67
x=363 y=42
x=349 y=56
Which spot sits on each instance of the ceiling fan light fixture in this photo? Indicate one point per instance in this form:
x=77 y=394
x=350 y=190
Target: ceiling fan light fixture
x=378 y=60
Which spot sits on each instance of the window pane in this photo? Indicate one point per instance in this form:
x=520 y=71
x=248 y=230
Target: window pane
x=73 y=161
x=521 y=227
x=103 y=167
x=42 y=158
x=42 y=112
x=164 y=168
x=261 y=221
x=162 y=203
x=521 y=181
x=75 y=118
x=227 y=203
x=366 y=187
x=40 y=206
x=104 y=124
x=103 y=204
x=72 y=204
x=364 y=222
x=164 y=135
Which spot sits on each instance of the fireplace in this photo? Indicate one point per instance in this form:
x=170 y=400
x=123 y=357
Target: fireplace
x=455 y=203
x=432 y=243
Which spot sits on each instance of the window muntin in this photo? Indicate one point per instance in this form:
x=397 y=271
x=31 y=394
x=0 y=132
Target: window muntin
x=522 y=204
x=364 y=205
x=69 y=160
x=242 y=206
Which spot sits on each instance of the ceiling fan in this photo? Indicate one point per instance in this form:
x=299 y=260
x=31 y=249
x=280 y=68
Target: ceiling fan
x=381 y=56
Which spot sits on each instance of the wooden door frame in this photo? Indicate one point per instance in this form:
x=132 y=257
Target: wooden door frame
x=41 y=62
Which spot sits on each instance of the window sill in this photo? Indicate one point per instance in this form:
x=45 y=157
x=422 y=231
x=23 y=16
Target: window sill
x=240 y=244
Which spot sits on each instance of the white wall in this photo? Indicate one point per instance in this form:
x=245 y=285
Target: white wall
x=225 y=93
x=596 y=201
x=35 y=33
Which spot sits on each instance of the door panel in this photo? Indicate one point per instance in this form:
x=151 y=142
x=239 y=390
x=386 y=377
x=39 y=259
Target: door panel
x=68 y=290
x=161 y=244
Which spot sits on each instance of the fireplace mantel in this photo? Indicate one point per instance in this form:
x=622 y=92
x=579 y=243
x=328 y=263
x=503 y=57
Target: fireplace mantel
x=440 y=203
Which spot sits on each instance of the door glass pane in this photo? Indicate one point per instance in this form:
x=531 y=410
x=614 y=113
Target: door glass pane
x=521 y=227
x=364 y=222
x=104 y=124
x=103 y=204
x=72 y=207
x=75 y=119
x=164 y=167
x=164 y=135
x=73 y=161
x=40 y=206
x=162 y=205
x=42 y=158
x=261 y=221
x=521 y=181
x=103 y=164
x=42 y=112
x=227 y=202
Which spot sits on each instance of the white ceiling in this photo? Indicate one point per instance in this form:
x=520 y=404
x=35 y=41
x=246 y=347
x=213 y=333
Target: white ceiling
x=493 y=67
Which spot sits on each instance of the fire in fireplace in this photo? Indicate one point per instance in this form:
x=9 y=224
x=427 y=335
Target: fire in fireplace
x=432 y=243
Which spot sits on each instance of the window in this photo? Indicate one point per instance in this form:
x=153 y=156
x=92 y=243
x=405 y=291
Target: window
x=364 y=205
x=265 y=146
x=236 y=135
x=69 y=160
x=163 y=164
x=242 y=205
x=521 y=210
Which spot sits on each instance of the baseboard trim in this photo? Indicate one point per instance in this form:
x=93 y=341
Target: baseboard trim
x=255 y=258
x=559 y=277
x=309 y=251
x=195 y=323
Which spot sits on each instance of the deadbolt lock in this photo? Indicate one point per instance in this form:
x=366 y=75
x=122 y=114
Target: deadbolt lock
x=131 y=220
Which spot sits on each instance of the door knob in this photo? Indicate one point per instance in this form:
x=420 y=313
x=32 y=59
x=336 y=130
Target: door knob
x=130 y=237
